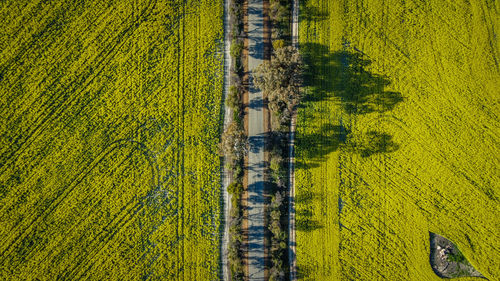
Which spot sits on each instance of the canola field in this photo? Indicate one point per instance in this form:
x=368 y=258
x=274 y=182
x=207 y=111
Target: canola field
x=109 y=124
x=397 y=137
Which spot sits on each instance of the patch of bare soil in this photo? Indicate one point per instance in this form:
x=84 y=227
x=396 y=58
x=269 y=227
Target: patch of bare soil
x=447 y=261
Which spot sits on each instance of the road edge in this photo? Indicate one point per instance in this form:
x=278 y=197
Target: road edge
x=227 y=176
x=292 y=254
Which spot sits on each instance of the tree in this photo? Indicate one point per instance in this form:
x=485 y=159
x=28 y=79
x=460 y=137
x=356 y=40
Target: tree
x=281 y=78
x=234 y=142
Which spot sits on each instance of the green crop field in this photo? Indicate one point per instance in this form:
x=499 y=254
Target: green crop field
x=398 y=136
x=109 y=124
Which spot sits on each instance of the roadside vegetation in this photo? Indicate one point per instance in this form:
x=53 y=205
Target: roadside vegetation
x=280 y=12
x=397 y=136
x=234 y=142
x=280 y=79
x=109 y=126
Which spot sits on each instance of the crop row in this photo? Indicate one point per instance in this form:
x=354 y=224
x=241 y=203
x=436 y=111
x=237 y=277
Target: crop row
x=396 y=138
x=108 y=158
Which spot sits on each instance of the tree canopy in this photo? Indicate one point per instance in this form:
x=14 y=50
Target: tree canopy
x=280 y=78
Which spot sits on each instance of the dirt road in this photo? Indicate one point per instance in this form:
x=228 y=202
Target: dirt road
x=226 y=175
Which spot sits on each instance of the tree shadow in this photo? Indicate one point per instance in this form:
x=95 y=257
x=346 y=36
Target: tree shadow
x=342 y=77
x=312 y=13
x=317 y=145
x=304 y=219
x=307 y=224
x=373 y=142
x=304 y=271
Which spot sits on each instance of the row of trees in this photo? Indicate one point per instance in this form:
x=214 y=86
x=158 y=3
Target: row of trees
x=280 y=79
x=234 y=142
x=280 y=14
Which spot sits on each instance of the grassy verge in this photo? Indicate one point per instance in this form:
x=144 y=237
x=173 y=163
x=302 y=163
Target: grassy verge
x=279 y=79
x=234 y=144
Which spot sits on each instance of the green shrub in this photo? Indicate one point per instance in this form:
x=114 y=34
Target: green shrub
x=235 y=189
x=236 y=48
x=233 y=99
x=278 y=44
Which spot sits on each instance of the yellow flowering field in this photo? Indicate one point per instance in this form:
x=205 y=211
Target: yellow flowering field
x=397 y=136
x=109 y=124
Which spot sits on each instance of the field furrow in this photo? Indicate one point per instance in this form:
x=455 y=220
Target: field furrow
x=397 y=137
x=109 y=124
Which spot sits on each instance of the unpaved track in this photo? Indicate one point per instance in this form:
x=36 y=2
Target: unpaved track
x=256 y=135
x=291 y=196
x=227 y=177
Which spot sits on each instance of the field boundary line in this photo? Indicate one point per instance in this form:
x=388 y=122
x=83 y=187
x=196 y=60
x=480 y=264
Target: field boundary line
x=292 y=254
x=227 y=175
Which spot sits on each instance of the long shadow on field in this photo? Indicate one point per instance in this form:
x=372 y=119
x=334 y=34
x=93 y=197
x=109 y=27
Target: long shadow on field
x=343 y=75
x=312 y=13
x=325 y=139
x=342 y=78
x=372 y=142
x=304 y=220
